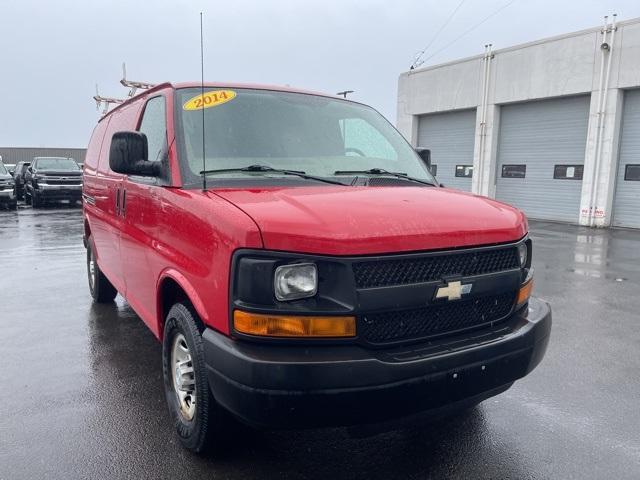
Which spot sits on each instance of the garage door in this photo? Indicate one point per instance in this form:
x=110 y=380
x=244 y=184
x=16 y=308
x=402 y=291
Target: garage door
x=626 y=202
x=541 y=147
x=450 y=137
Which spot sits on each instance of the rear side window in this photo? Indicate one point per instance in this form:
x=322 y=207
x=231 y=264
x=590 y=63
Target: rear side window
x=154 y=126
x=95 y=144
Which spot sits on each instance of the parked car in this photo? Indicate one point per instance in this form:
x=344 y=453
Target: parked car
x=299 y=263
x=18 y=177
x=52 y=179
x=7 y=195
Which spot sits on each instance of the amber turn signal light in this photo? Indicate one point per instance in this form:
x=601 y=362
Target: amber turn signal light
x=525 y=292
x=293 y=326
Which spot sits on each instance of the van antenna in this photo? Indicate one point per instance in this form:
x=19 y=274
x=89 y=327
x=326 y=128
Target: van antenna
x=204 y=161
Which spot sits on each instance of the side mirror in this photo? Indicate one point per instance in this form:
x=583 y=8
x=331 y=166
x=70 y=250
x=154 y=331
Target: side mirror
x=425 y=155
x=128 y=154
x=30 y=170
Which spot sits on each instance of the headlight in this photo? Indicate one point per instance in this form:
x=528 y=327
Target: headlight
x=522 y=253
x=295 y=281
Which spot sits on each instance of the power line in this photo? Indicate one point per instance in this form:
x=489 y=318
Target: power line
x=418 y=60
x=470 y=30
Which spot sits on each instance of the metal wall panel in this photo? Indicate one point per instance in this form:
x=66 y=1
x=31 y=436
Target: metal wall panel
x=626 y=200
x=13 y=155
x=450 y=137
x=542 y=135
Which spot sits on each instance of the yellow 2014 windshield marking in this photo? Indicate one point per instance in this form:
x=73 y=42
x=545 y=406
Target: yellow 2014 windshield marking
x=209 y=99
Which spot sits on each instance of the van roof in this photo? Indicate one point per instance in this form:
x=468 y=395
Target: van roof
x=254 y=86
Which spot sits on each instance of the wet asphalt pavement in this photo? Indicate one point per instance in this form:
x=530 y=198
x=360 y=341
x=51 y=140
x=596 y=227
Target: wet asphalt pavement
x=81 y=390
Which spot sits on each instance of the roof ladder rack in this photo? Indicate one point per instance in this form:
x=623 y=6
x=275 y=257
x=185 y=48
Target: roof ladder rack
x=104 y=102
x=133 y=86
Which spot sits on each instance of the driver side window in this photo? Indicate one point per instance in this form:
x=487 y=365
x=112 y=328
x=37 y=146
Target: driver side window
x=154 y=126
x=362 y=139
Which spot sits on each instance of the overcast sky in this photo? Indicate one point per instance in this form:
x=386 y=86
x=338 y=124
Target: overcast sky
x=52 y=53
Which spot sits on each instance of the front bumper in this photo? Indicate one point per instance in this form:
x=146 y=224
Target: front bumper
x=282 y=386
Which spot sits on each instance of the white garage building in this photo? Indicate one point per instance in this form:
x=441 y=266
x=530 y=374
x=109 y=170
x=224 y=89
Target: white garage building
x=551 y=126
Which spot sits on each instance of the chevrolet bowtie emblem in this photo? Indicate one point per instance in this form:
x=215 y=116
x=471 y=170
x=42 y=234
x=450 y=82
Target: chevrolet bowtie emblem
x=453 y=290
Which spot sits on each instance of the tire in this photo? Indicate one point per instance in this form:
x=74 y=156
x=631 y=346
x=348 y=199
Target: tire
x=13 y=206
x=199 y=421
x=100 y=287
x=35 y=200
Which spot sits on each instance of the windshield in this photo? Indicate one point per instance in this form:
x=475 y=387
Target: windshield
x=3 y=170
x=54 y=163
x=291 y=131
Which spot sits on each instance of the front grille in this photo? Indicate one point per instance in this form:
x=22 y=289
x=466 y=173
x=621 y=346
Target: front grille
x=58 y=181
x=384 y=273
x=434 y=320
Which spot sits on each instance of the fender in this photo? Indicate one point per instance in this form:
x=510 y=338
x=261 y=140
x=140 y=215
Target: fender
x=86 y=231
x=186 y=286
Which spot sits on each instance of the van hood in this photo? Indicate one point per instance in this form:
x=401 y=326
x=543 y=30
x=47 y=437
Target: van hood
x=371 y=220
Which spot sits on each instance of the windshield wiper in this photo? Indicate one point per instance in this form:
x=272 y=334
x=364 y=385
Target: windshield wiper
x=268 y=169
x=381 y=171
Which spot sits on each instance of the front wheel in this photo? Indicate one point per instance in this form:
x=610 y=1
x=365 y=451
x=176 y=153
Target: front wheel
x=198 y=419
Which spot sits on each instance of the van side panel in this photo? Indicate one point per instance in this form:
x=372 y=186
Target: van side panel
x=142 y=233
x=164 y=231
x=107 y=222
x=186 y=235
x=90 y=188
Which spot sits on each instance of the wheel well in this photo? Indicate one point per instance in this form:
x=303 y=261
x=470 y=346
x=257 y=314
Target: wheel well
x=169 y=294
x=87 y=229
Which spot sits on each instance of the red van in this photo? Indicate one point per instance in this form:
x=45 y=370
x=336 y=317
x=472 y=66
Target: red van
x=300 y=264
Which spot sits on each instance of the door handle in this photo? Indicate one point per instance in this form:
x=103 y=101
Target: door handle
x=124 y=203
x=117 y=201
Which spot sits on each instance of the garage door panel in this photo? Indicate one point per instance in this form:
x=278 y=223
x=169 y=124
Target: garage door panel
x=541 y=135
x=450 y=137
x=626 y=203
